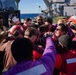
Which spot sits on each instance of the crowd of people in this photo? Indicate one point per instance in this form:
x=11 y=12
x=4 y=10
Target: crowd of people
x=38 y=47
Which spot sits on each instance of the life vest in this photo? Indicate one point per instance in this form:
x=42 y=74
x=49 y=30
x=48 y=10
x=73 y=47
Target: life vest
x=36 y=55
x=68 y=63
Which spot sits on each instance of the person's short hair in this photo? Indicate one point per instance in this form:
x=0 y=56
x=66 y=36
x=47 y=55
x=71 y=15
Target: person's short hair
x=31 y=31
x=40 y=17
x=34 y=25
x=43 y=28
x=63 y=27
x=22 y=49
x=27 y=19
x=49 y=20
x=60 y=21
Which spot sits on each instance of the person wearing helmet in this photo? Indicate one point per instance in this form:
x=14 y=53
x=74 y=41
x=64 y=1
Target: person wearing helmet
x=72 y=21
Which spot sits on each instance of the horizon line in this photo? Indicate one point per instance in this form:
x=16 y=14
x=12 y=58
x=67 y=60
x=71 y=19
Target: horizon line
x=30 y=13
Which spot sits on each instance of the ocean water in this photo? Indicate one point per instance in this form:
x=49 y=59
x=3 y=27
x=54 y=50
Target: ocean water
x=23 y=16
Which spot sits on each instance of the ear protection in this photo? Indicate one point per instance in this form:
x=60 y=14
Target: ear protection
x=16 y=33
x=73 y=27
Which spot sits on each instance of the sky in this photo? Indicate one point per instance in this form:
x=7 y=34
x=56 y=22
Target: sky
x=31 y=6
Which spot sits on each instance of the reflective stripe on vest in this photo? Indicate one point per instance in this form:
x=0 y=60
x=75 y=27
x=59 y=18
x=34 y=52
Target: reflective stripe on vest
x=37 y=70
x=72 y=60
